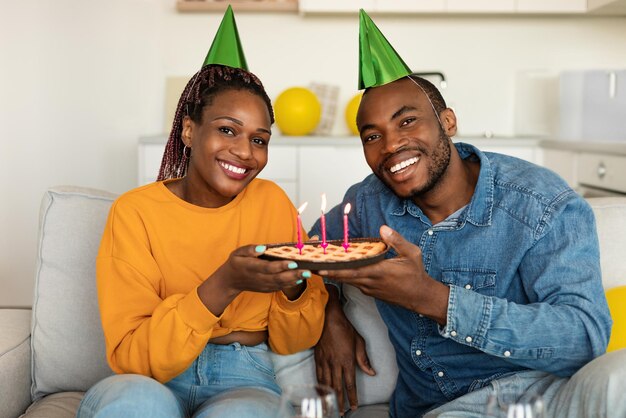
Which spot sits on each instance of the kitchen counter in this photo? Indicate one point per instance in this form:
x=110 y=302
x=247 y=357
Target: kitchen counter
x=351 y=140
x=306 y=166
x=593 y=168
x=615 y=147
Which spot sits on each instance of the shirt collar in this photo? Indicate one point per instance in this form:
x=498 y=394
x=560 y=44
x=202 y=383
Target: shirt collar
x=480 y=207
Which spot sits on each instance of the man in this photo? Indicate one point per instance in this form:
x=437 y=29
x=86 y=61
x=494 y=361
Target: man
x=493 y=279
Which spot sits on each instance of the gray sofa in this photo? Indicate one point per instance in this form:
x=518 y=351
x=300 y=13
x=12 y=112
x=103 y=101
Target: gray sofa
x=50 y=356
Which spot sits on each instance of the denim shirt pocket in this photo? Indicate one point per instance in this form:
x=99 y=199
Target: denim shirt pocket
x=479 y=280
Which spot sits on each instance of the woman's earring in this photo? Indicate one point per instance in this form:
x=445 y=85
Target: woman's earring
x=184 y=162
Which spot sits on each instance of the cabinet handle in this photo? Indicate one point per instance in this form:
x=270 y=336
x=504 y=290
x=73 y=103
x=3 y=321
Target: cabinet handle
x=601 y=170
x=612 y=84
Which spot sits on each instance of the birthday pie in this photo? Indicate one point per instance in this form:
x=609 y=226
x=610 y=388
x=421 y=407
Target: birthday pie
x=360 y=252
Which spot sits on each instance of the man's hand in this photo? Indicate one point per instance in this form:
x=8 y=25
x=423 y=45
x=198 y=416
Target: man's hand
x=401 y=280
x=337 y=351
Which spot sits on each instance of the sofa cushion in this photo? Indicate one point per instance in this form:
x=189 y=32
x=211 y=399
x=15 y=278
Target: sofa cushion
x=67 y=346
x=14 y=361
x=362 y=312
x=610 y=213
x=58 y=405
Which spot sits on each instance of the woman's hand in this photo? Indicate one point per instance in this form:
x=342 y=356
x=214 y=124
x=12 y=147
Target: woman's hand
x=245 y=271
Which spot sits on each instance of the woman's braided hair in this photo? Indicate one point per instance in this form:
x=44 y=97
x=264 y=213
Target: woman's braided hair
x=199 y=92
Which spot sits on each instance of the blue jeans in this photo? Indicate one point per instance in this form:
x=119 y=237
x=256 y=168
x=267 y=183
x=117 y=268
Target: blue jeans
x=595 y=391
x=224 y=381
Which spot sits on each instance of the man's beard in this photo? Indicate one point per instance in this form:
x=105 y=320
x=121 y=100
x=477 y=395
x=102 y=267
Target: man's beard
x=440 y=160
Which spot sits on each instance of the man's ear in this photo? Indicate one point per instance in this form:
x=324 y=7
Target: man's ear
x=448 y=120
x=187 y=131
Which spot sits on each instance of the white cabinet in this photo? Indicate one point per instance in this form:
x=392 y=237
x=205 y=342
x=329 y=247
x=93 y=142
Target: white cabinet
x=305 y=167
x=525 y=152
x=281 y=168
x=150 y=155
x=238 y=6
x=607 y=7
x=596 y=7
x=335 y=6
x=329 y=169
x=563 y=163
x=593 y=169
x=524 y=148
x=602 y=171
x=409 y=6
x=551 y=6
x=481 y=6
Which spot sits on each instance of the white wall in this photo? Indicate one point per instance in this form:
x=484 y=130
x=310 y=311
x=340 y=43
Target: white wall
x=80 y=81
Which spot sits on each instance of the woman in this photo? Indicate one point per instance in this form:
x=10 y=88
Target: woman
x=187 y=305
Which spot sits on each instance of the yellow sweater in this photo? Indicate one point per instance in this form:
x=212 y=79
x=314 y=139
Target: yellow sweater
x=157 y=249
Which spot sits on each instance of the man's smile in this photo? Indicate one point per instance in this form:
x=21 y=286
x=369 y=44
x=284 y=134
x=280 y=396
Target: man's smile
x=403 y=164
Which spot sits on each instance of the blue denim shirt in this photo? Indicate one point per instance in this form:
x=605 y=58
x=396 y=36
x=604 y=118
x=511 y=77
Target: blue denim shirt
x=522 y=264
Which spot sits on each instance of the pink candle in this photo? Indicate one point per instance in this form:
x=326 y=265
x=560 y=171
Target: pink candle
x=299 y=245
x=346 y=210
x=324 y=244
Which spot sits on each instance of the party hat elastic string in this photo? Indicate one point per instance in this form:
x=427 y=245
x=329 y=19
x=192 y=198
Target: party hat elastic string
x=429 y=101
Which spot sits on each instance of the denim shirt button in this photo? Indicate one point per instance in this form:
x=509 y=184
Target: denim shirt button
x=418 y=352
x=468 y=339
x=440 y=374
x=430 y=232
x=468 y=286
x=420 y=315
x=507 y=353
x=453 y=333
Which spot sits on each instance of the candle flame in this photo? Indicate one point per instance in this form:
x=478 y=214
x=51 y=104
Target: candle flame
x=323 y=202
x=302 y=208
x=347 y=208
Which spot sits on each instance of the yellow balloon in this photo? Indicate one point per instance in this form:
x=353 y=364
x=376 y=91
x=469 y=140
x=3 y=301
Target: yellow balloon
x=351 y=108
x=297 y=111
x=616 y=297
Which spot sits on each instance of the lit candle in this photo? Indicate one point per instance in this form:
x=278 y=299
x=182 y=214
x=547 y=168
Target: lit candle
x=299 y=245
x=324 y=244
x=346 y=210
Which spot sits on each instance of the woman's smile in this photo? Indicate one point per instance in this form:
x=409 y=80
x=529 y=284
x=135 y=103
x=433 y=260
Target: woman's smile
x=233 y=170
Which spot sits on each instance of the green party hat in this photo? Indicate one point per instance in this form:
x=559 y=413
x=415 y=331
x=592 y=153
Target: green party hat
x=379 y=63
x=226 y=47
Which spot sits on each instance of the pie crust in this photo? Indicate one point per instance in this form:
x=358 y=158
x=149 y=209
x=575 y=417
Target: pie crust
x=335 y=253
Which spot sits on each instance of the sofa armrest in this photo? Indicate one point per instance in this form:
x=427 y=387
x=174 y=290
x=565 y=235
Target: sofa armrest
x=15 y=379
